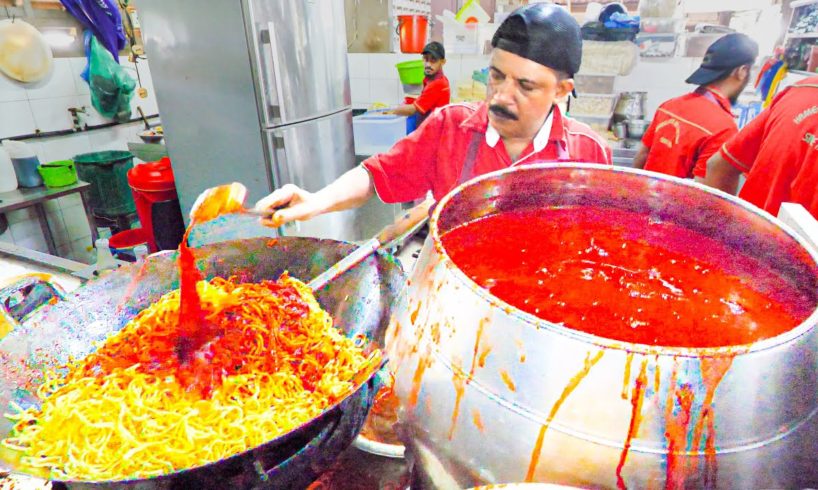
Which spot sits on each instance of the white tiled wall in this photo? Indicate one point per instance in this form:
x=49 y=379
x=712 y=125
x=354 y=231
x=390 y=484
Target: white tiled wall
x=374 y=78
x=43 y=105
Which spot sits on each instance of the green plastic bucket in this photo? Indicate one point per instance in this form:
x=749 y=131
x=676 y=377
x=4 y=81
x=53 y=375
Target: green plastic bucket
x=107 y=172
x=58 y=174
x=411 y=72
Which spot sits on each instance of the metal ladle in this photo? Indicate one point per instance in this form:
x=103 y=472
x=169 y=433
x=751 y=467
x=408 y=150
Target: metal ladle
x=230 y=198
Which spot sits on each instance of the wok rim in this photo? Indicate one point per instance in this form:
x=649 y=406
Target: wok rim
x=384 y=259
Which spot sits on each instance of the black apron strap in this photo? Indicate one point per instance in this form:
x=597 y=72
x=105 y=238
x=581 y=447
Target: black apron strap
x=467 y=171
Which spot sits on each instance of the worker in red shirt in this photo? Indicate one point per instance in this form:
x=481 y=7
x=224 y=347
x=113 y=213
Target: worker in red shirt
x=778 y=151
x=537 y=50
x=436 y=91
x=688 y=130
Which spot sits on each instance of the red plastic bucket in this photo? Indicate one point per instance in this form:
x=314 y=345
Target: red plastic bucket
x=123 y=243
x=154 y=192
x=412 y=32
x=128 y=239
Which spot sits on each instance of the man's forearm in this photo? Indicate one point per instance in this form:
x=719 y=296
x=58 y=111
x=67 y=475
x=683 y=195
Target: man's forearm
x=405 y=110
x=721 y=175
x=351 y=190
x=641 y=157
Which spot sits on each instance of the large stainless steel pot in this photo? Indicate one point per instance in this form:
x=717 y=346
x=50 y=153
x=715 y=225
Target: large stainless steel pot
x=359 y=301
x=478 y=380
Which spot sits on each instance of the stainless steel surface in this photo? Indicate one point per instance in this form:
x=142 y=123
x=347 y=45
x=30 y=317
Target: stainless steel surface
x=16 y=261
x=630 y=105
x=360 y=303
x=257 y=92
x=623 y=157
x=637 y=128
x=620 y=130
x=301 y=60
x=763 y=408
x=34 y=197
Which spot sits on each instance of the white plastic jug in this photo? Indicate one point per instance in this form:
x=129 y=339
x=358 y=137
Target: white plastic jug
x=8 y=178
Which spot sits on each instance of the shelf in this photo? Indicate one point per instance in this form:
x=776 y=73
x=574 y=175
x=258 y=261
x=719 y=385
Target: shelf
x=806 y=35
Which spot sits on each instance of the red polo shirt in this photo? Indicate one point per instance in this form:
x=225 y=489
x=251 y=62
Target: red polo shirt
x=436 y=93
x=432 y=157
x=778 y=150
x=687 y=131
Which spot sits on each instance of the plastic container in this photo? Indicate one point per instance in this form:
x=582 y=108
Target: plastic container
x=594 y=84
x=598 y=123
x=157 y=204
x=661 y=25
x=124 y=243
x=656 y=45
x=657 y=8
x=460 y=38
x=59 y=173
x=609 y=58
x=377 y=133
x=411 y=72
x=412 y=31
x=600 y=105
x=696 y=44
x=107 y=172
x=8 y=177
x=25 y=163
x=105 y=260
x=472 y=13
x=412 y=89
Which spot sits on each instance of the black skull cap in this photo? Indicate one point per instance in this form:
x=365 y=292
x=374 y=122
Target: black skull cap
x=544 y=33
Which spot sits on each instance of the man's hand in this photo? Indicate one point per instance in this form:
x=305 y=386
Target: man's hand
x=289 y=203
x=292 y=203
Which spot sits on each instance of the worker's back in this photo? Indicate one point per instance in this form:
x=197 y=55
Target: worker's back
x=779 y=151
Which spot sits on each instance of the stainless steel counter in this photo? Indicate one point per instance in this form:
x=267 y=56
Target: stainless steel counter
x=36 y=197
x=623 y=157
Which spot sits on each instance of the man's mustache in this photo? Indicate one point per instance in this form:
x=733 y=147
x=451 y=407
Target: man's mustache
x=501 y=111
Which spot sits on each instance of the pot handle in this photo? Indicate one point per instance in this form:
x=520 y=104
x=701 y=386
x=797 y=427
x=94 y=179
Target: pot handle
x=307 y=452
x=314 y=449
x=23 y=295
x=397 y=27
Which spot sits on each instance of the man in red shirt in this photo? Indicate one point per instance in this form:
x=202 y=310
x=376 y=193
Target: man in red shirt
x=436 y=91
x=537 y=50
x=778 y=151
x=688 y=130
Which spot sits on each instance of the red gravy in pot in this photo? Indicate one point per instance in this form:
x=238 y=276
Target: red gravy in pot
x=626 y=276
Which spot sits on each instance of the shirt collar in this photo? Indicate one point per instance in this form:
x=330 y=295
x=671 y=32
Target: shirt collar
x=719 y=97
x=540 y=140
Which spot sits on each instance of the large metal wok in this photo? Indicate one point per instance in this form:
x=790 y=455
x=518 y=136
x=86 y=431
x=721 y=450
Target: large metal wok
x=359 y=301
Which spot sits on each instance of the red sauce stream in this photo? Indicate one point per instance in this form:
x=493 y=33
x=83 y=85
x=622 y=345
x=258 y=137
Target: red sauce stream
x=624 y=276
x=637 y=399
x=569 y=388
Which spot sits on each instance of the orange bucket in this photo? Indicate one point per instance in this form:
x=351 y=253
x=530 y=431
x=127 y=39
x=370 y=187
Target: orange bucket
x=412 y=32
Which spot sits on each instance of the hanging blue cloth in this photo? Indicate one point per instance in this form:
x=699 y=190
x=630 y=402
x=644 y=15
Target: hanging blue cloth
x=103 y=19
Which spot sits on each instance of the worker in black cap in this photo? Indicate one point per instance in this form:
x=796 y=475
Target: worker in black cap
x=537 y=51
x=436 y=91
x=688 y=130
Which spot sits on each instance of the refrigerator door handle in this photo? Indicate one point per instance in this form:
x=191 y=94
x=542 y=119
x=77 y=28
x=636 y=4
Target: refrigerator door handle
x=283 y=174
x=276 y=111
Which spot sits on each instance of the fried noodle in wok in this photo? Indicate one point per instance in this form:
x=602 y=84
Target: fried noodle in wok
x=128 y=410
